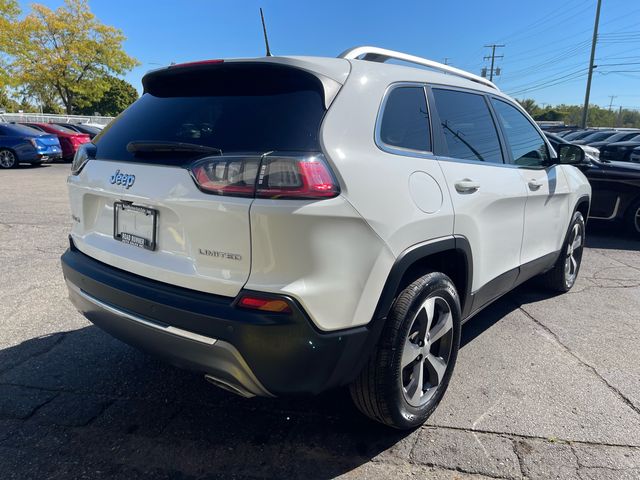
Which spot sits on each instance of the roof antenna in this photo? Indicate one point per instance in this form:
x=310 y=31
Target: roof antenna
x=264 y=30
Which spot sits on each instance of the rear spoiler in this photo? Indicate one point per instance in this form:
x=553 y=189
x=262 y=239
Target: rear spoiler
x=276 y=65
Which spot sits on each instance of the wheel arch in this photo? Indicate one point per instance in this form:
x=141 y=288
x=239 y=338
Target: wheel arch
x=451 y=256
x=583 y=206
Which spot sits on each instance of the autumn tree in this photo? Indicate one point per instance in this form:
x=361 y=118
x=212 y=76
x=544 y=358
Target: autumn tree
x=9 y=11
x=67 y=50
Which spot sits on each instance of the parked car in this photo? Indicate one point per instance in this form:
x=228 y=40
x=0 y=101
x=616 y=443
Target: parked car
x=595 y=137
x=81 y=128
x=20 y=144
x=290 y=225
x=577 y=135
x=635 y=155
x=617 y=137
x=556 y=141
x=619 y=151
x=69 y=140
x=616 y=189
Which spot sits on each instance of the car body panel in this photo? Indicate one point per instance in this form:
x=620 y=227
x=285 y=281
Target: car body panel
x=17 y=139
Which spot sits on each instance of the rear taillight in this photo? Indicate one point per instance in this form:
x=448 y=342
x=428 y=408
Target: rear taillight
x=278 y=176
x=230 y=175
x=79 y=140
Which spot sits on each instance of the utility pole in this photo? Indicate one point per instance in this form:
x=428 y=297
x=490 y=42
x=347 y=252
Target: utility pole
x=611 y=102
x=493 y=57
x=446 y=60
x=585 y=110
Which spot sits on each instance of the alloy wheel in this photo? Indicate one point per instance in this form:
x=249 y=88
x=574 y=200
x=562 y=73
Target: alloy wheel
x=427 y=351
x=7 y=159
x=574 y=255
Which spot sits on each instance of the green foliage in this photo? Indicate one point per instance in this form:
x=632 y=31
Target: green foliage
x=529 y=105
x=7 y=103
x=572 y=115
x=119 y=95
x=67 y=51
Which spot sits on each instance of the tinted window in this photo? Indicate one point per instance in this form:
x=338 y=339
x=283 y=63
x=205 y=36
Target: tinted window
x=405 y=120
x=236 y=107
x=60 y=129
x=468 y=126
x=526 y=144
x=594 y=137
x=15 y=129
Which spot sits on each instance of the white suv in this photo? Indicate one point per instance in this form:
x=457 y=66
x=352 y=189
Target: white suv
x=292 y=224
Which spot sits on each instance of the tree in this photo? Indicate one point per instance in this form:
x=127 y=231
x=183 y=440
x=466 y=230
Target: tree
x=9 y=11
x=7 y=103
x=119 y=95
x=549 y=114
x=68 y=50
x=529 y=105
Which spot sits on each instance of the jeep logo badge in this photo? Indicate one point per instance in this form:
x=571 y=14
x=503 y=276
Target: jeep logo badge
x=123 y=179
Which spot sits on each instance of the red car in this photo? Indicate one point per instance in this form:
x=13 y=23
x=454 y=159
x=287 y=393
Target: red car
x=69 y=139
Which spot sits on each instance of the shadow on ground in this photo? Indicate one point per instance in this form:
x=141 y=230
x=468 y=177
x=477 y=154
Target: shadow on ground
x=95 y=403
x=81 y=403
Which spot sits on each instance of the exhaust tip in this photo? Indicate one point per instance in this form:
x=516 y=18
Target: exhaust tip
x=229 y=387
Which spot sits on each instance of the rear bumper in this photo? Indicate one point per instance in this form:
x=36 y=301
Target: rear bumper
x=255 y=353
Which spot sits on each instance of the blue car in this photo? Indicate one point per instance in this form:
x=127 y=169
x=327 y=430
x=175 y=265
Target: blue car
x=20 y=144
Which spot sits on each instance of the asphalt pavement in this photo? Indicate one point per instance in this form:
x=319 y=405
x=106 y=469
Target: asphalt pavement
x=545 y=386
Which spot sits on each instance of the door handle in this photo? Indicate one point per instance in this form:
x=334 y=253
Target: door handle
x=534 y=184
x=466 y=186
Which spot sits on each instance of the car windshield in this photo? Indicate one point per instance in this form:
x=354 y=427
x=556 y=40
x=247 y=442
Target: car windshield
x=15 y=129
x=620 y=136
x=594 y=137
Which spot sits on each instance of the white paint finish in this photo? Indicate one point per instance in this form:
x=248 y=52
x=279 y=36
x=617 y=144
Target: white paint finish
x=376 y=182
x=322 y=253
x=187 y=221
x=490 y=217
x=425 y=192
x=335 y=255
x=547 y=212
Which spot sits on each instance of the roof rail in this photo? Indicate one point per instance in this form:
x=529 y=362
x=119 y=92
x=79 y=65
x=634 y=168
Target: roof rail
x=376 y=54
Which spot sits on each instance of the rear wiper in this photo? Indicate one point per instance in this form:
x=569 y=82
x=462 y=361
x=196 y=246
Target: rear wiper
x=169 y=147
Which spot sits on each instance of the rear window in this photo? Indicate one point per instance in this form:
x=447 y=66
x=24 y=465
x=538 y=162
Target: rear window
x=60 y=129
x=235 y=107
x=405 y=120
x=13 y=129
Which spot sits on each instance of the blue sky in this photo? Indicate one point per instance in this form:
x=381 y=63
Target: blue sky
x=545 y=58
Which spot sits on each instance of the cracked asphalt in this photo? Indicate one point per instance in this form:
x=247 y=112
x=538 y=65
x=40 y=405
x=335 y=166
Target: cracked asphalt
x=545 y=386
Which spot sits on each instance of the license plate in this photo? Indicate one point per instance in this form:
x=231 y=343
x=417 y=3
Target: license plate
x=135 y=225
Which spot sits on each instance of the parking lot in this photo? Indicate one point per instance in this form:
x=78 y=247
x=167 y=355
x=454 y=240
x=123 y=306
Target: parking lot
x=545 y=386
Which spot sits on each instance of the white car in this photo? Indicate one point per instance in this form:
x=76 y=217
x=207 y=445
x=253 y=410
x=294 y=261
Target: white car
x=294 y=224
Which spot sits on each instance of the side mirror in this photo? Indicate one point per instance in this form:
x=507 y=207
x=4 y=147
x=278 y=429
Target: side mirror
x=569 y=154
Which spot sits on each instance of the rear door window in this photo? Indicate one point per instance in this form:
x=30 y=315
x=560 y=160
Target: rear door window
x=467 y=125
x=235 y=107
x=405 y=119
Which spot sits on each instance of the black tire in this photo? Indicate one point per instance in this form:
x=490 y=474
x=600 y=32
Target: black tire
x=379 y=391
x=632 y=218
x=558 y=278
x=8 y=159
